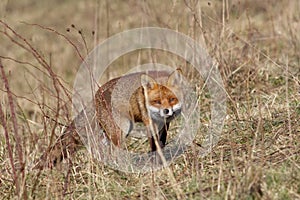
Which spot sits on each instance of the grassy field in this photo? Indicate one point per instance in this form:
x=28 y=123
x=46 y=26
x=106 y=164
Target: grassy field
x=257 y=46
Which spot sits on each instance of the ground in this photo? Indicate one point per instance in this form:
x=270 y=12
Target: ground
x=256 y=47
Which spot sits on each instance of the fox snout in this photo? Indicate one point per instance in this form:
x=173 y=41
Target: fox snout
x=169 y=112
x=164 y=114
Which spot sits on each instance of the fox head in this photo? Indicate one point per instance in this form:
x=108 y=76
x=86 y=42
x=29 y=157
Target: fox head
x=162 y=100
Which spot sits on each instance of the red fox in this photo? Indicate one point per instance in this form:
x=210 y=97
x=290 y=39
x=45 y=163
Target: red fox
x=152 y=103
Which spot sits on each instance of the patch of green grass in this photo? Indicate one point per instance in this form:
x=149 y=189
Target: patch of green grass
x=257 y=156
x=283 y=181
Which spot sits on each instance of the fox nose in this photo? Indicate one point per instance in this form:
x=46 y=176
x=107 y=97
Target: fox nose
x=166 y=111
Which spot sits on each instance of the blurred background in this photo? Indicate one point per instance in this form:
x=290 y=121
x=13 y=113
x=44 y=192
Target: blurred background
x=256 y=45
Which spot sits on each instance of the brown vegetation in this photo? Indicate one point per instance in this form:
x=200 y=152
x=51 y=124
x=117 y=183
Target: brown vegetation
x=256 y=44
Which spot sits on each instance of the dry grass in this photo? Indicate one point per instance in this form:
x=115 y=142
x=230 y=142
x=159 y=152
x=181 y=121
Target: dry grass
x=256 y=44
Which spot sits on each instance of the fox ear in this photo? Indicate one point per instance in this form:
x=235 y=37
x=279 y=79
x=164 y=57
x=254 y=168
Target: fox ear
x=175 y=78
x=148 y=82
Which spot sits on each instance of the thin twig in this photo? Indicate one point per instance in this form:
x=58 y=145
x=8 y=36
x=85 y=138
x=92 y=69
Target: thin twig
x=15 y=126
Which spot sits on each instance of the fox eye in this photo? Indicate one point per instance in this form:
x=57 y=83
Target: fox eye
x=172 y=99
x=156 y=101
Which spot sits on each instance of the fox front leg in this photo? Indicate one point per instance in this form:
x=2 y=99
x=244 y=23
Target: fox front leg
x=163 y=135
x=152 y=142
x=151 y=133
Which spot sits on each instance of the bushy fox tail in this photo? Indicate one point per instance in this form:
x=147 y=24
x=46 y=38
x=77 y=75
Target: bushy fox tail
x=64 y=147
x=69 y=142
x=91 y=133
